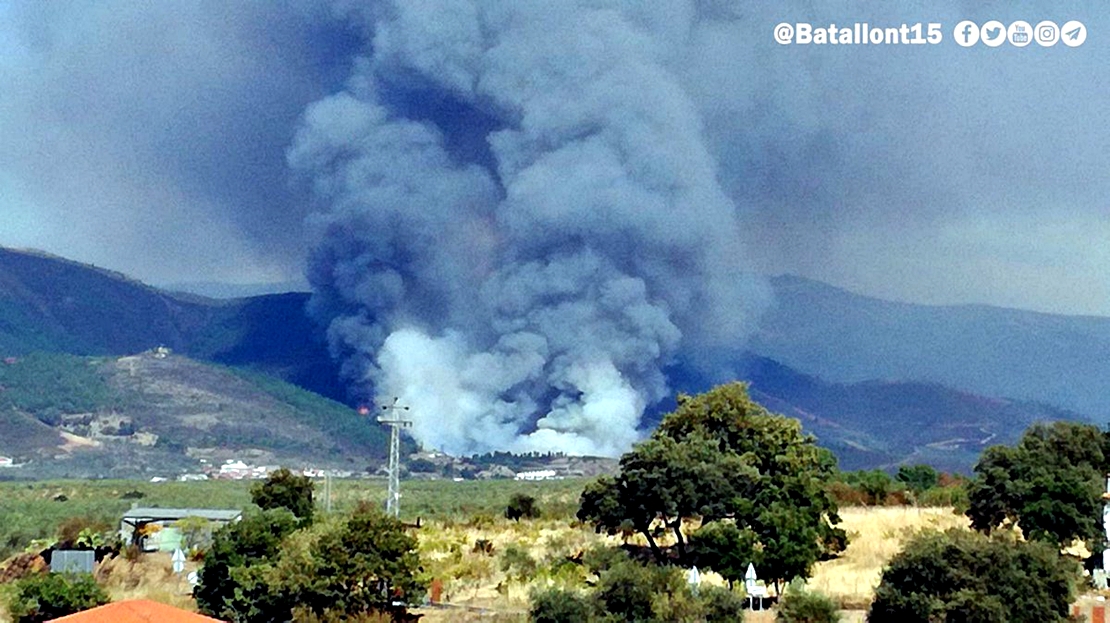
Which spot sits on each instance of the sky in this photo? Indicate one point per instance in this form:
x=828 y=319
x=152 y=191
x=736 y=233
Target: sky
x=156 y=139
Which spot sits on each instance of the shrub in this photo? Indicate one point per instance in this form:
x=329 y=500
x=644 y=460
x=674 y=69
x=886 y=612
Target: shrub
x=517 y=564
x=481 y=520
x=482 y=546
x=799 y=605
x=600 y=558
x=304 y=615
x=196 y=532
x=559 y=606
x=917 y=478
x=631 y=591
x=627 y=590
x=522 y=505
x=966 y=576
x=954 y=496
x=876 y=485
x=47 y=596
x=78 y=532
x=845 y=494
x=721 y=605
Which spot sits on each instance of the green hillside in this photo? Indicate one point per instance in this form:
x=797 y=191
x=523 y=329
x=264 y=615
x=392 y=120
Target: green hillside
x=159 y=413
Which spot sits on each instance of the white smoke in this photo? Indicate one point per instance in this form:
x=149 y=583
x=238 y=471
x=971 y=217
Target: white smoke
x=522 y=222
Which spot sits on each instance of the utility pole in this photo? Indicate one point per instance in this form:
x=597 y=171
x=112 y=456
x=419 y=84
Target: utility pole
x=392 y=418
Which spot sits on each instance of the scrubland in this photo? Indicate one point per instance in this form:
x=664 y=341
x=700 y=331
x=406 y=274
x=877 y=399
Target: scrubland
x=486 y=564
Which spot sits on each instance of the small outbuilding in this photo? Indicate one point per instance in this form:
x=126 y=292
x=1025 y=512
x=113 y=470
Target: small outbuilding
x=155 y=529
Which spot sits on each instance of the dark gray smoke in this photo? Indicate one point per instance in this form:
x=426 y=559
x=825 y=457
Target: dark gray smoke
x=522 y=223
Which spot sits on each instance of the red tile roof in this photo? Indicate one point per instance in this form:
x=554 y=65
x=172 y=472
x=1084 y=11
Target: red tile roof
x=135 y=611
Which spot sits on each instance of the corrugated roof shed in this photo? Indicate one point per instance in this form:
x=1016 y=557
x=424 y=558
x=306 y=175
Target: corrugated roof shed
x=164 y=514
x=136 y=611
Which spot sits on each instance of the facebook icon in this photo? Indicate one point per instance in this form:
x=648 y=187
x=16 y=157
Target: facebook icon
x=966 y=33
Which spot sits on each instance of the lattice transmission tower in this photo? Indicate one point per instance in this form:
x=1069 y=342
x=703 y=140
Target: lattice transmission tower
x=391 y=417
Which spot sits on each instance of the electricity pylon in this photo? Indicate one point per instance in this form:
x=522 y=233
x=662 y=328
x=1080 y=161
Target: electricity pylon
x=390 y=417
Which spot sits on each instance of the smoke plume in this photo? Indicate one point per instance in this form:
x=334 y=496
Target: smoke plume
x=521 y=222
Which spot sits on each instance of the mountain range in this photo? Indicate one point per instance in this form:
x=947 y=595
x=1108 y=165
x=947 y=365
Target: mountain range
x=844 y=337
x=880 y=383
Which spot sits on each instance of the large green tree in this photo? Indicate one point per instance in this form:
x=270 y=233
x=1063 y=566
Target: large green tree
x=284 y=489
x=366 y=563
x=232 y=584
x=722 y=458
x=966 y=576
x=1050 y=485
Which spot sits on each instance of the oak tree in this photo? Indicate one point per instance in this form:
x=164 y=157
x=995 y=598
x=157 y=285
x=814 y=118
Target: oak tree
x=1050 y=485
x=722 y=458
x=284 y=489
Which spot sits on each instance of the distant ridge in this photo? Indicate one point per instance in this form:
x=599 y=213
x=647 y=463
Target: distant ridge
x=48 y=303
x=46 y=255
x=844 y=337
x=222 y=291
x=56 y=305
x=888 y=423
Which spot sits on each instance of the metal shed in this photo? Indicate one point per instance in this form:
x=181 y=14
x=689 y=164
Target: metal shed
x=168 y=538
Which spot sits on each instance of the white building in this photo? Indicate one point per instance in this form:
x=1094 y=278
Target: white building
x=235 y=470
x=541 y=474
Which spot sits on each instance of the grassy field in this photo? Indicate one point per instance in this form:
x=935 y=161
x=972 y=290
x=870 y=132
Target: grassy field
x=34 y=510
x=875 y=535
x=487 y=564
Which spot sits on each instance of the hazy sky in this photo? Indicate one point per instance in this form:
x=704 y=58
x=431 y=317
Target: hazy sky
x=151 y=138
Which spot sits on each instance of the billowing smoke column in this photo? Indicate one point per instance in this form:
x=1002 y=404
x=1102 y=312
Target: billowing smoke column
x=522 y=223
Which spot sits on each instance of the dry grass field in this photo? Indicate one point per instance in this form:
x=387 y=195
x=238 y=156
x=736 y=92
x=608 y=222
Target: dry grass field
x=875 y=535
x=488 y=565
x=476 y=582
